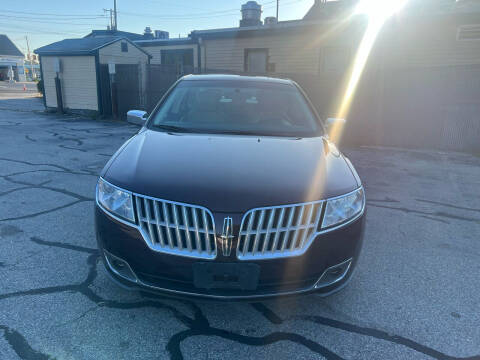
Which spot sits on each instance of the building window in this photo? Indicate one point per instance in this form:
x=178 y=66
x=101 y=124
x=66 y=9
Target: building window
x=256 y=61
x=335 y=59
x=468 y=32
x=124 y=47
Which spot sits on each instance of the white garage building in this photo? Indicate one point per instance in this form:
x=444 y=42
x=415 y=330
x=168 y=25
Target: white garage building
x=11 y=61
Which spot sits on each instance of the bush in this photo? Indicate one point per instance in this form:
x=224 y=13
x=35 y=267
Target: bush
x=40 y=86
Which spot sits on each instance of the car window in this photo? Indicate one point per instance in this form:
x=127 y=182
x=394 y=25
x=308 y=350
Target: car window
x=237 y=107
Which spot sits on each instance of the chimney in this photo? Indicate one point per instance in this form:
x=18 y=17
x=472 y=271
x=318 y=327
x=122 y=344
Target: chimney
x=251 y=13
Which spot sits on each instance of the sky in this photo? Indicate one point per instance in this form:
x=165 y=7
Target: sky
x=47 y=21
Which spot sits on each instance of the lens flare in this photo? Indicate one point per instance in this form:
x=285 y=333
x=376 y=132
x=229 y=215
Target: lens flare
x=378 y=12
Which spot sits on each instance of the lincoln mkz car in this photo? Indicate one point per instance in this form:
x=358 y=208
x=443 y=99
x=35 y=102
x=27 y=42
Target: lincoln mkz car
x=231 y=190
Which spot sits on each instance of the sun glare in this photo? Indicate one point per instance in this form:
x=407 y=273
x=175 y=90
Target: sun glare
x=378 y=11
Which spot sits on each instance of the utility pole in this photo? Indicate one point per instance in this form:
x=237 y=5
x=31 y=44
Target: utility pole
x=115 y=13
x=277 y=9
x=110 y=11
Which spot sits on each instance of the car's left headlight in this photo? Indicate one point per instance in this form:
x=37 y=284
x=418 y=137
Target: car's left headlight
x=343 y=208
x=115 y=200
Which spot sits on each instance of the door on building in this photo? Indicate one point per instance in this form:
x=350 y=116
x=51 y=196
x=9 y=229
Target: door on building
x=256 y=60
x=105 y=91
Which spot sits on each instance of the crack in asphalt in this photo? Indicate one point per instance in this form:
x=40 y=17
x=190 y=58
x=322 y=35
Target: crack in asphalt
x=356 y=329
x=48 y=170
x=71 y=148
x=42 y=186
x=29 y=216
x=198 y=325
x=426 y=213
x=35 y=164
x=448 y=205
x=20 y=346
x=382 y=335
x=26 y=186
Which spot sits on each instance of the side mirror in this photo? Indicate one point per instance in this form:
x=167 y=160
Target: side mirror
x=137 y=117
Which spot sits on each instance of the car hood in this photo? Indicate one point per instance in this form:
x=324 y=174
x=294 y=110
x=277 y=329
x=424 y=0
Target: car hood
x=230 y=173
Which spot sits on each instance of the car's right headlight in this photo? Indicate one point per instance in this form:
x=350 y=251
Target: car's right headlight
x=343 y=208
x=115 y=200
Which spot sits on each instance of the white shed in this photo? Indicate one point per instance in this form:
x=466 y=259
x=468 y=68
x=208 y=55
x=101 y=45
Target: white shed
x=72 y=71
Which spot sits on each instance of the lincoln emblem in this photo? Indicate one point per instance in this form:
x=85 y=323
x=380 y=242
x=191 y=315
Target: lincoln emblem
x=226 y=238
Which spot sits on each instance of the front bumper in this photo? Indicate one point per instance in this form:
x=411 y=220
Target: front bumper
x=324 y=268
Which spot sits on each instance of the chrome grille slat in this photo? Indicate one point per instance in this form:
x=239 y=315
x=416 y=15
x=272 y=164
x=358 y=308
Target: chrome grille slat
x=187 y=232
x=278 y=231
x=176 y=228
x=207 y=235
x=167 y=225
x=287 y=232
x=304 y=234
x=257 y=235
x=249 y=230
x=195 y=226
x=149 y=219
x=266 y=241
x=157 y=218
x=297 y=230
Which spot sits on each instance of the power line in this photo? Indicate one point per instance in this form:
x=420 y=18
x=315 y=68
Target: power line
x=205 y=15
x=50 y=19
x=35 y=31
x=49 y=14
x=192 y=15
x=46 y=21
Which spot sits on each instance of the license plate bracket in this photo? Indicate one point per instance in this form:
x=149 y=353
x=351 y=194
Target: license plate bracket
x=226 y=276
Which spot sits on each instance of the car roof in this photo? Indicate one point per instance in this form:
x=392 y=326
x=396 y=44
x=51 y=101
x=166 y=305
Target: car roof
x=216 y=77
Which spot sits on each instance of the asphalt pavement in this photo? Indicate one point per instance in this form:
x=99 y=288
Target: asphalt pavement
x=415 y=294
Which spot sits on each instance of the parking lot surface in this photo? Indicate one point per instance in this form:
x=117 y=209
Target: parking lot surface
x=415 y=294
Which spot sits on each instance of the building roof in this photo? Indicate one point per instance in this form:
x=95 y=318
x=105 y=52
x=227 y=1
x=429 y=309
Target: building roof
x=82 y=46
x=246 y=31
x=7 y=47
x=118 y=33
x=272 y=29
x=166 y=42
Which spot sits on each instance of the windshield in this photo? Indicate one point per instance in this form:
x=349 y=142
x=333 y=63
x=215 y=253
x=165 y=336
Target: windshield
x=236 y=107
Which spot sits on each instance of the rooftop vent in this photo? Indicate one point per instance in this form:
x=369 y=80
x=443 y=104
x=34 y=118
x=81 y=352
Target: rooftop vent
x=251 y=13
x=147 y=33
x=164 y=35
x=270 y=20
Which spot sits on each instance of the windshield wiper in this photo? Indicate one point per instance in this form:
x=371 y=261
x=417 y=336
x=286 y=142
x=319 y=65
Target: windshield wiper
x=172 y=128
x=238 y=132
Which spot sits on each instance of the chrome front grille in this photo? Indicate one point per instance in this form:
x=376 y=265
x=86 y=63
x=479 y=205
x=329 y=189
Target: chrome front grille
x=176 y=228
x=278 y=231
